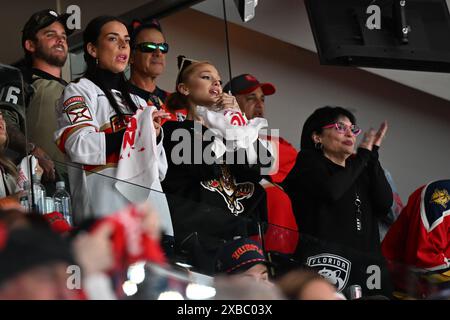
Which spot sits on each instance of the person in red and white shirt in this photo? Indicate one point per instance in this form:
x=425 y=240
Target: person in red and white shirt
x=282 y=234
x=419 y=238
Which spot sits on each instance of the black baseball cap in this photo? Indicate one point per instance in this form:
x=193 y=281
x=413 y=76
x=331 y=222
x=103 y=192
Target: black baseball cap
x=25 y=248
x=43 y=19
x=240 y=255
x=246 y=83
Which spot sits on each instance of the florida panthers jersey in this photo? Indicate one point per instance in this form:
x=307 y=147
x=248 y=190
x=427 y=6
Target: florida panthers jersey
x=420 y=236
x=84 y=117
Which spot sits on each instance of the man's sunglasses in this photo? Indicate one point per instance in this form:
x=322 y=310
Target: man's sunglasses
x=150 y=47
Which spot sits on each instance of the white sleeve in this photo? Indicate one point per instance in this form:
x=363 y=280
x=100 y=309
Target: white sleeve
x=78 y=131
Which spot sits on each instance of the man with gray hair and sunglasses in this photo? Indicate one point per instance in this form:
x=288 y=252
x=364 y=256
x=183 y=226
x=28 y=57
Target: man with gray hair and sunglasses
x=148 y=62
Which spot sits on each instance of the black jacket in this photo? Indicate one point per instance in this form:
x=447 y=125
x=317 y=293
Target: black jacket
x=323 y=197
x=212 y=202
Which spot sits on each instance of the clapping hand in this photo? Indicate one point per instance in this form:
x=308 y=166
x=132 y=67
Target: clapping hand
x=368 y=139
x=374 y=138
x=381 y=134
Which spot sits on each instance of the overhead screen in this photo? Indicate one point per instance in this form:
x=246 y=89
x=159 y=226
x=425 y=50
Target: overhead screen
x=409 y=35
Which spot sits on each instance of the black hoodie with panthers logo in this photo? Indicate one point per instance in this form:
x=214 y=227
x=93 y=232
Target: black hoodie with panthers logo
x=209 y=203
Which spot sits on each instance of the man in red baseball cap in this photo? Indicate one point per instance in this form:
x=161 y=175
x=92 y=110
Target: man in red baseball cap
x=250 y=94
x=281 y=234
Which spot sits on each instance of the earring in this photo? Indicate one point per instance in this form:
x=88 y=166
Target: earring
x=96 y=62
x=318 y=146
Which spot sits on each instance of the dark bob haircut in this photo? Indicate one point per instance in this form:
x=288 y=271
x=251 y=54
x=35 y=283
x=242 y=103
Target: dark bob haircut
x=320 y=118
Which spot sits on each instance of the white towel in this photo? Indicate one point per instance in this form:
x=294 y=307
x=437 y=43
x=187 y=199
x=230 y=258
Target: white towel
x=24 y=171
x=234 y=127
x=142 y=165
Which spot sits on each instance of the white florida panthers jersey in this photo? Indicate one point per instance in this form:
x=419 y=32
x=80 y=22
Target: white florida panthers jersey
x=84 y=116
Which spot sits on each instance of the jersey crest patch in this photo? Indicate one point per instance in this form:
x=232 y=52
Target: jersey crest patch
x=233 y=193
x=77 y=111
x=435 y=206
x=333 y=268
x=440 y=197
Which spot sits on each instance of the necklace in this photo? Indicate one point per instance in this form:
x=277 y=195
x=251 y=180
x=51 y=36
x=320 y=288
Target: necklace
x=358 y=214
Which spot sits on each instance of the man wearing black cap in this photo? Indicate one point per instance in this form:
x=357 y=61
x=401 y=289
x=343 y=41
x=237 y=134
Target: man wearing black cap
x=33 y=264
x=44 y=40
x=243 y=257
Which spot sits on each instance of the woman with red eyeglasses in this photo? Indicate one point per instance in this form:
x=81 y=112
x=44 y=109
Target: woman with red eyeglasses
x=338 y=196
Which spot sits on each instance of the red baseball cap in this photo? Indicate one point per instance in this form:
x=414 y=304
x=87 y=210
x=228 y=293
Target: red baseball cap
x=246 y=83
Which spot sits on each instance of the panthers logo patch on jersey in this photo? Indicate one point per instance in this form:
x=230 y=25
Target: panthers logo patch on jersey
x=232 y=192
x=435 y=205
x=334 y=268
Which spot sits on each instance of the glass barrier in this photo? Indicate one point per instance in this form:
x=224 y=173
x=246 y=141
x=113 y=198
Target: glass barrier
x=13 y=99
x=200 y=226
x=345 y=267
x=147 y=281
x=411 y=283
x=77 y=64
x=194 y=225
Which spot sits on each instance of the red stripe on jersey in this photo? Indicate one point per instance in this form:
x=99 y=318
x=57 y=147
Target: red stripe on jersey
x=111 y=161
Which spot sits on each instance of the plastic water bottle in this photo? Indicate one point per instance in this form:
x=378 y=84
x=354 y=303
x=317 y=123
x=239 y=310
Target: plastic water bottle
x=39 y=194
x=25 y=200
x=49 y=205
x=62 y=201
